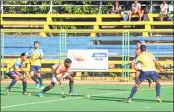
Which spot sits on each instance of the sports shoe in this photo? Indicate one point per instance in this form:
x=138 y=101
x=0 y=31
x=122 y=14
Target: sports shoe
x=37 y=86
x=72 y=93
x=26 y=93
x=158 y=99
x=7 y=92
x=41 y=87
x=129 y=100
x=41 y=94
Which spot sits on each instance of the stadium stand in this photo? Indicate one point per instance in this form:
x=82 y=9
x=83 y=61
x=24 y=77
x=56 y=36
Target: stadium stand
x=15 y=45
x=85 y=31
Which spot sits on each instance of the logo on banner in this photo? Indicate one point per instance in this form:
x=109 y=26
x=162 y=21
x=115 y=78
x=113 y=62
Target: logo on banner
x=99 y=56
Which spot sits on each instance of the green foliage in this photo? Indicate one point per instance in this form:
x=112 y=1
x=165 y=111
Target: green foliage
x=42 y=9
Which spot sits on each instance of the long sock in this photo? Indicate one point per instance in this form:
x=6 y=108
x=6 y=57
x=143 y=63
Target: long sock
x=24 y=86
x=40 y=80
x=158 y=88
x=13 y=82
x=34 y=79
x=136 y=79
x=133 y=91
x=71 y=84
x=47 y=88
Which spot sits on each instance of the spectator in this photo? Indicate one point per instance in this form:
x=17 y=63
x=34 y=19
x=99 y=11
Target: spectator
x=170 y=11
x=163 y=11
x=146 y=12
x=111 y=10
x=136 y=9
x=125 y=11
x=117 y=8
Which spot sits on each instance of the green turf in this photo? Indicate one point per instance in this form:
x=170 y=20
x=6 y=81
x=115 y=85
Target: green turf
x=108 y=97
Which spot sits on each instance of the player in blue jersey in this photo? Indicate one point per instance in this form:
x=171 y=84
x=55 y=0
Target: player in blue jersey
x=15 y=74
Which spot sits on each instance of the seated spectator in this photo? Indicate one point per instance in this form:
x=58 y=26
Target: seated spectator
x=125 y=11
x=117 y=8
x=136 y=9
x=111 y=10
x=146 y=12
x=163 y=11
x=170 y=11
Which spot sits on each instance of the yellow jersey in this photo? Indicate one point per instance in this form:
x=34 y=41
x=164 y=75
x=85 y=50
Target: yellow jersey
x=147 y=61
x=34 y=54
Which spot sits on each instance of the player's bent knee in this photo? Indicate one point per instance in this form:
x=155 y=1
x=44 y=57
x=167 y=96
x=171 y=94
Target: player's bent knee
x=73 y=74
x=52 y=84
x=32 y=74
x=24 y=80
x=16 y=77
x=38 y=74
x=72 y=80
x=157 y=81
x=136 y=85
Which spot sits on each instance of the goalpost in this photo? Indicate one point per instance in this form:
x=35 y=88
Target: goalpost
x=125 y=56
x=2 y=55
x=62 y=46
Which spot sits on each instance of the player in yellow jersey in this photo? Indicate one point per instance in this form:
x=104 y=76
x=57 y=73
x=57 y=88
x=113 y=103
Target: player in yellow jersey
x=149 y=63
x=137 y=53
x=36 y=55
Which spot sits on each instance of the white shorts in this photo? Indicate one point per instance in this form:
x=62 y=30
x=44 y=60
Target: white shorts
x=54 y=79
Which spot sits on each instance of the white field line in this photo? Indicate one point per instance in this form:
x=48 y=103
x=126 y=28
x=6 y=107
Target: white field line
x=70 y=98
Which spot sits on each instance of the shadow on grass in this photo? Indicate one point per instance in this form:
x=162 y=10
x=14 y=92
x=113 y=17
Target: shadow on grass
x=119 y=99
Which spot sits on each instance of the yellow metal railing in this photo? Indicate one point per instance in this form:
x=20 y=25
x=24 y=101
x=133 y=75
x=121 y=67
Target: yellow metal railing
x=9 y=62
x=97 y=22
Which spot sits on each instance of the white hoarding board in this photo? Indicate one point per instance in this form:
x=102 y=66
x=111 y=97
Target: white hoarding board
x=88 y=60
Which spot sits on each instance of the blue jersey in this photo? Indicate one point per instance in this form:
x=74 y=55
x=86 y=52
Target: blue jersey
x=18 y=64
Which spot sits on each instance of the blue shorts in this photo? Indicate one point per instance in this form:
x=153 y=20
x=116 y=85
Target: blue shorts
x=35 y=68
x=10 y=74
x=144 y=75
